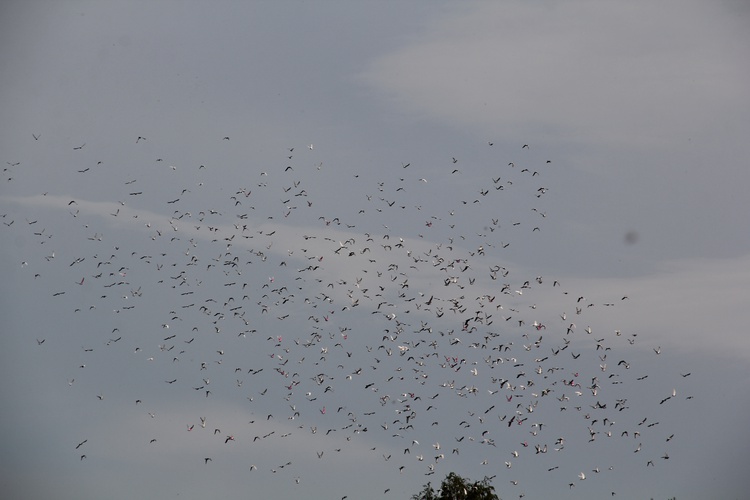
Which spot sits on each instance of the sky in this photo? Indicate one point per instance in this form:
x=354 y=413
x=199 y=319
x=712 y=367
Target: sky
x=341 y=249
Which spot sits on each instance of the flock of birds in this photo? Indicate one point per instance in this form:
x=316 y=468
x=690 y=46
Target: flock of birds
x=397 y=322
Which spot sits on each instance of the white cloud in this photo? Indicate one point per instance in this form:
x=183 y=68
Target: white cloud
x=610 y=72
x=697 y=306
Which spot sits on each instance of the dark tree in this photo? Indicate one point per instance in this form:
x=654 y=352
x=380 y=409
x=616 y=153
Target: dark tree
x=455 y=487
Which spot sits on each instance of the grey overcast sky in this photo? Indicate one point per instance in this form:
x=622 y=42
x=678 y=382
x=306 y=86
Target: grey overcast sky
x=340 y=249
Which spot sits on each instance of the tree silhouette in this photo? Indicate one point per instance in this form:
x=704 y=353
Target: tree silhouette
x=455 y=487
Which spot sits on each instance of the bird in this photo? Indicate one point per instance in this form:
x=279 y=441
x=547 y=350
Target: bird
x=437 y=305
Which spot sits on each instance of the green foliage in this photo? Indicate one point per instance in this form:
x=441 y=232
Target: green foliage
x=455 y=487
